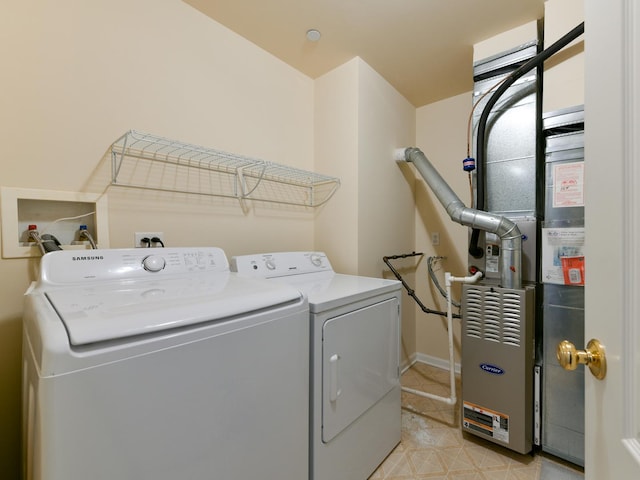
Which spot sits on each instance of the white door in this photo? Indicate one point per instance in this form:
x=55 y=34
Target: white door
x=612 y=211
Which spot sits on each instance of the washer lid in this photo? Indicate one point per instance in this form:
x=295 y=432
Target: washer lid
x=107 y=311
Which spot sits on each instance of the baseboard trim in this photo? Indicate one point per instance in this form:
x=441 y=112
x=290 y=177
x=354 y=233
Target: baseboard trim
x=428 y=360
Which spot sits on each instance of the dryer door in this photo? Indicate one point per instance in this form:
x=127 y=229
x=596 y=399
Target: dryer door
x=360 y=363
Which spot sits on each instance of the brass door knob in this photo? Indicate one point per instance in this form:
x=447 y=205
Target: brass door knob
x=594 y=357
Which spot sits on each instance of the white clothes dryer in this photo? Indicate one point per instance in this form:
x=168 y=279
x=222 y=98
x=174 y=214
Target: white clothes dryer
x=162 y=364
x=355 y=360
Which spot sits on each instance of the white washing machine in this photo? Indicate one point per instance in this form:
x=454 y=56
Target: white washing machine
x=355 y=355
x=162 y=364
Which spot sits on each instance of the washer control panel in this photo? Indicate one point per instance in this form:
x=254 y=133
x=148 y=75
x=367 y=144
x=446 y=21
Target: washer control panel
x=75 y=266
x=280 y=264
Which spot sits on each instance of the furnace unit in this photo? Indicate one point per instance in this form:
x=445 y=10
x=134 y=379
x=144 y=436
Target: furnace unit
x=498 y=324
x=497 y=364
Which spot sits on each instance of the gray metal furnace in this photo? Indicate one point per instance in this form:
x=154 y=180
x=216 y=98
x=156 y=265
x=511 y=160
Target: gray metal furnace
x=497 y=364
x=526 y=237
x=498 y=324
x=517 y=395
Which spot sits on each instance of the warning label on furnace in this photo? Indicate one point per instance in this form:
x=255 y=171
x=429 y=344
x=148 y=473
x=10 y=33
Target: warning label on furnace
x=488 y=422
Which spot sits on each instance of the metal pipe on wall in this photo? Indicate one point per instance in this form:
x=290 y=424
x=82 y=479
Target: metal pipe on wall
x=510 y=236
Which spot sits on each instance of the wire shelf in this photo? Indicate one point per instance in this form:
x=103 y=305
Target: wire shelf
x=146 y=161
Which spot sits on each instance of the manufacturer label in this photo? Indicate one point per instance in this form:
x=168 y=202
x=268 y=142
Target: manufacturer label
x=488 y=422
x=487 y=367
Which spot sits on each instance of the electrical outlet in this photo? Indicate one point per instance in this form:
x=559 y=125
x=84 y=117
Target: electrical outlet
x=435 y=239
x=139 y=243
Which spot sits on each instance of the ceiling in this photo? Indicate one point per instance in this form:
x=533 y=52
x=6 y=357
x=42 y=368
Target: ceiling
x=424 y=48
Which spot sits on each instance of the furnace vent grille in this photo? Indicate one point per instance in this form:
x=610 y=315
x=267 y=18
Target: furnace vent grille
x=493 y=314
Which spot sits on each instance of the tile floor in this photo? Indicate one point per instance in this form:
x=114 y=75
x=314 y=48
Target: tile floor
x=434 y=447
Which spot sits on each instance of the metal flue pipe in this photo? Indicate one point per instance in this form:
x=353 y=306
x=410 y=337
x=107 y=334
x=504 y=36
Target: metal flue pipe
x=507 y=230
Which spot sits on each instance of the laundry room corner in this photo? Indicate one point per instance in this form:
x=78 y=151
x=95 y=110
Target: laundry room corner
x=441 y=133
x=359 y=120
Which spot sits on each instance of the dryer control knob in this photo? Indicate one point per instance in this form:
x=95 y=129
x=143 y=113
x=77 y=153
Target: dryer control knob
x=271 y=264
x=316 y=259
x=153 y=263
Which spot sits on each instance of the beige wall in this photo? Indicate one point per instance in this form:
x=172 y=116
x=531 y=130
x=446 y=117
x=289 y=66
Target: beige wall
x=385 y=214
x=563 y=73
x=505 y=41
x=385 y=198
x=442 y=136
x=336 y=149
x=360 y=121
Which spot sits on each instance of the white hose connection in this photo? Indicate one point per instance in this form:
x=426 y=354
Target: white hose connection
x=451 y=399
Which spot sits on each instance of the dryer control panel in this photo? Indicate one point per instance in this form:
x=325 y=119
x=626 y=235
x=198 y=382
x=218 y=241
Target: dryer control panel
x=280 y=264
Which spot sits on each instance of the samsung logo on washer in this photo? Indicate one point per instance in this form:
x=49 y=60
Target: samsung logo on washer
x=92 y=257
x=487 y=367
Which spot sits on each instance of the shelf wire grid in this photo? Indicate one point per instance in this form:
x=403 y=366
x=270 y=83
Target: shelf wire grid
x=148 y=161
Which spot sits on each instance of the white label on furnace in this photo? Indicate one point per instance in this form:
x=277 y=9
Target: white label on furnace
x=568 y=185
x=492 y=264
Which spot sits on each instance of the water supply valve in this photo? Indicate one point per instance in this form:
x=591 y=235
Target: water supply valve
x=473 y=270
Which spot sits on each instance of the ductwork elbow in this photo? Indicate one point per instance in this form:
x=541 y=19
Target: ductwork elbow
x=507 y=230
